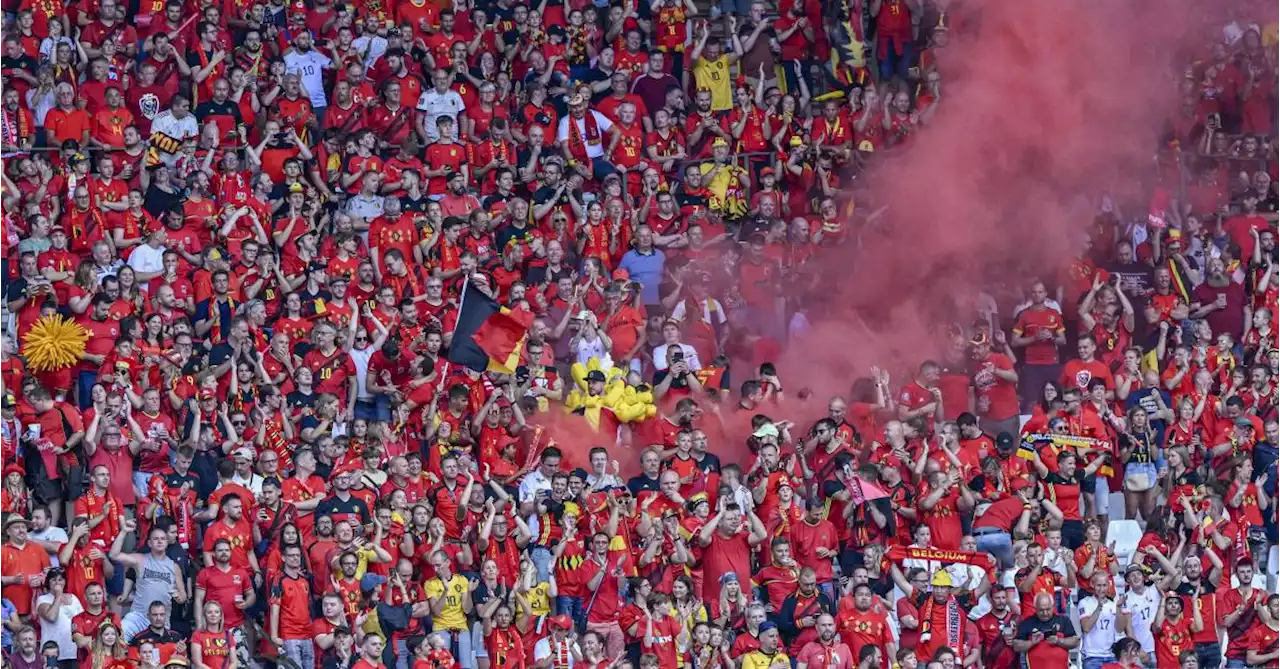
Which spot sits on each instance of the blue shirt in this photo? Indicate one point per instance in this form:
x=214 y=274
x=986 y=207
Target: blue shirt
x=646 y=269
x=6 y=612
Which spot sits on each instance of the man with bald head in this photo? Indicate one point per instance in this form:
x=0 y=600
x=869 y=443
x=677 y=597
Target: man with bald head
x=1046 y=638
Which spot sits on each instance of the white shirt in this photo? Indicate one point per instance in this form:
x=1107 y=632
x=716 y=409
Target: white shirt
x=436 y=104
x=604 y=481
x=253 y=483
x=690 y=357
x=361 y=358
x=168 y=129
x=712 y=311
x=594 y=149
x=531 y=484
x=60 y=629
x=41 y=104
x=585 y=350
x=375 y=45
x=309 y=67
x=52 y=535
x=542 y=651
x=1097 y=642
x=1143 y=608
x=144 y=258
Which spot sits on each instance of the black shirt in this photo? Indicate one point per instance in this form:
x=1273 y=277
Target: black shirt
x=20 y=288
x=300 y=401
x=1135 y=278
x=547 y=194
x=690 y=200
x=226 y=108
x=1049 y=628
x=410 y=206
x=641 y=482
x=24 y=63
x=157 y=202
x=340 y=510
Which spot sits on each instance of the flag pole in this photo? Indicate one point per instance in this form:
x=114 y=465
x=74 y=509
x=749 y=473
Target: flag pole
x=462 y=299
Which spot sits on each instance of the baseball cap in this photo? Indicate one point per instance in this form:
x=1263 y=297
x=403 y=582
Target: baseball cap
x=561 y=622
x=596 y=375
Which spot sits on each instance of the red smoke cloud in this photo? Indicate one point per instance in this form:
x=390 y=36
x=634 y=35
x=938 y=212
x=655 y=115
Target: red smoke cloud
x=1045 y=106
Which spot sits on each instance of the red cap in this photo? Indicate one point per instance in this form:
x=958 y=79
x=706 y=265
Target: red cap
x=14 y=468
x=298 y=7
x=621 y=275
x=206 y=394
x=563 y=622
x=1019 y=484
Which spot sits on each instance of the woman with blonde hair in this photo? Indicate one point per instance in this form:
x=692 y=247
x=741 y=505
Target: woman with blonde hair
x=108 y=650
x=212 y=646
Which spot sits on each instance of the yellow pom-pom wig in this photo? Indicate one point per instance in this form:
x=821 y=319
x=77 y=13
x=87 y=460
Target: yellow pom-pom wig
x=53 y=343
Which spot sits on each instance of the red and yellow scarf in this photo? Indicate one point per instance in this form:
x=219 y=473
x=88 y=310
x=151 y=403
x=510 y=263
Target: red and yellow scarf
x=578 y=147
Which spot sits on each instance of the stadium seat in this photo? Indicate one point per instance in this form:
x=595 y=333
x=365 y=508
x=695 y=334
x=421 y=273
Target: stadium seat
x=1126 y=534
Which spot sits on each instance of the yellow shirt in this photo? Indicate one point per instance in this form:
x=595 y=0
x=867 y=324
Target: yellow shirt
x=758 y=660
x=539 y=598
x=727 y=195
x=714 y=76
x=365 y=555
x=452 y=616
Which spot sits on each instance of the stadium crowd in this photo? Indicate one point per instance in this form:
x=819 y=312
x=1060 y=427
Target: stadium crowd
x=275 y=221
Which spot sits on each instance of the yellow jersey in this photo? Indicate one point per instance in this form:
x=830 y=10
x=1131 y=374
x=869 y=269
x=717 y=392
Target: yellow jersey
x=452 y=617
x=727 y=194
x=759 y=660
x=714 y=76
x=539 y=598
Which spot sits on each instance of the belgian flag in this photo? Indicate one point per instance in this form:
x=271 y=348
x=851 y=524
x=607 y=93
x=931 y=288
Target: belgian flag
x=488 y=336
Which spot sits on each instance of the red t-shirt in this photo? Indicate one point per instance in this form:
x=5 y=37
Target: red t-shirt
x=663 y=642
x=1079 y=374
x=1032 y=321
x=223 y=587
x=723 y=555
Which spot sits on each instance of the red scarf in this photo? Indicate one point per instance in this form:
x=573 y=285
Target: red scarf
x=16 y=129
x=577 y=147
x=900 y=553
x=955 y=625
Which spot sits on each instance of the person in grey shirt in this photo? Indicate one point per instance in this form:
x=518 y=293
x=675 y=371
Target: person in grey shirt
x=367 y=204
x=158 y=578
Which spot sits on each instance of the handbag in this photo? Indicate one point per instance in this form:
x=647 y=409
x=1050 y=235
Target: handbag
x=1139 y=476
